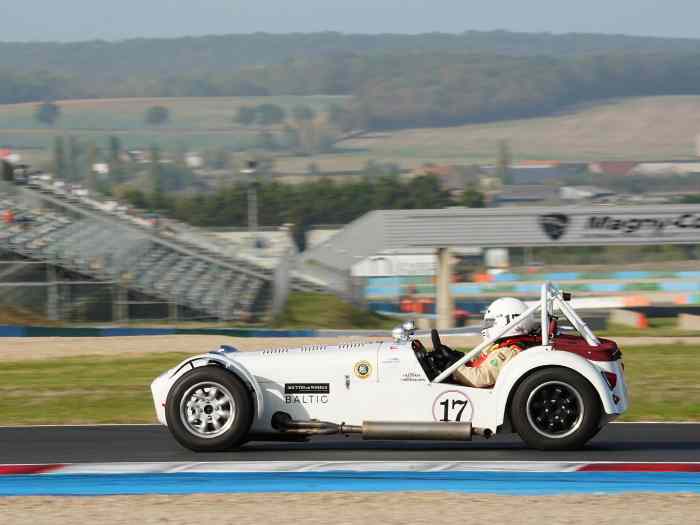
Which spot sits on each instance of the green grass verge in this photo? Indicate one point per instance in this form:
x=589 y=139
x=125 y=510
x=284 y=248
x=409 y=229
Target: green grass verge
x=662 y=381
x=87 y=389
x=303 y=310
x=317 y=310
x=658 y=327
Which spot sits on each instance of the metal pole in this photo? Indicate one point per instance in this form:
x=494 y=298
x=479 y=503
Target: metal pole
x=172 y=311
x=115 y=302
x=52 y=302
x=252 y=208
x=121 y=300
x=250 y=171
x=281 y=281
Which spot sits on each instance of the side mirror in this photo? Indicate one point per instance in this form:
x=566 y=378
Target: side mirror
x=404 y=332
x=409 y=327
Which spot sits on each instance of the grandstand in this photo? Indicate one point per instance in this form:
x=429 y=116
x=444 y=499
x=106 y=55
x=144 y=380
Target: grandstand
x=169 y=263
x=233 y=276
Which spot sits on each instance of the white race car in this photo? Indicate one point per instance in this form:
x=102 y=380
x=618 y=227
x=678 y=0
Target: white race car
x=557 y=394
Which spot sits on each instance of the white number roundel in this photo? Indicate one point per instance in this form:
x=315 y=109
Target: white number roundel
x=452 y=405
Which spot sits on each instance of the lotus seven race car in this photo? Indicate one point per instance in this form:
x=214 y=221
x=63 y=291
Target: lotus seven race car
x=557 y=394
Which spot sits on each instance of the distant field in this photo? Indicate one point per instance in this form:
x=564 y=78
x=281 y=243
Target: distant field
x=636 y=128
x=127 y=113
x=197 y=122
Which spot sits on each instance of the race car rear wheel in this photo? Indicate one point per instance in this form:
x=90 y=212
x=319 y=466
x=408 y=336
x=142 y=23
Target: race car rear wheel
x=555 y=409
x=209 y=409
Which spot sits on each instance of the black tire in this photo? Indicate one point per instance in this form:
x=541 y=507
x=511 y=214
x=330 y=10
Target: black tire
x=570 y=424
x=193 y=384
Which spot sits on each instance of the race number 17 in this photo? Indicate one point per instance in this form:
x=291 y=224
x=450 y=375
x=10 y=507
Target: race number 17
x=452 y=405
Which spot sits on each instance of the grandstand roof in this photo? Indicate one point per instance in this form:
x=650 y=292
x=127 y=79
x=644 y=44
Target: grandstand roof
x=384 y=231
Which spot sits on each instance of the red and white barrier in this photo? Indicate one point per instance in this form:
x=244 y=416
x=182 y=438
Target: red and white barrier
x=344 y=466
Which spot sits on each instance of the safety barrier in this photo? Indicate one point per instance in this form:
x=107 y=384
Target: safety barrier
x=43 y=331
x=677 y=282
x=629 y=318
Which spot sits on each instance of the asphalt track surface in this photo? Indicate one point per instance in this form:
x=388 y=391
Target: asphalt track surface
x=617 y=442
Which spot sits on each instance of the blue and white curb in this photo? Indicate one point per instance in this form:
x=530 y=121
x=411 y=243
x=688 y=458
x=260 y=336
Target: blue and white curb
x=514 y=478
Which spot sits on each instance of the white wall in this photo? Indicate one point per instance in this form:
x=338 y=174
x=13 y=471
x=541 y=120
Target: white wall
x=395 y=265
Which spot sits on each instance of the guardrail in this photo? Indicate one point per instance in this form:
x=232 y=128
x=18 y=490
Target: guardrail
x=46 y=331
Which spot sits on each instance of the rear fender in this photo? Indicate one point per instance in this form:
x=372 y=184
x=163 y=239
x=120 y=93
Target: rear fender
x=232 y=366
x=535 y=358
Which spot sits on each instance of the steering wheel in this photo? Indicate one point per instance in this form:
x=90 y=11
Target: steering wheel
x=426 y=360
x=443 y=352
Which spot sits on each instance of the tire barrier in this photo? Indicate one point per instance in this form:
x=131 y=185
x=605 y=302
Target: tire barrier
x=683 y=282
x=629 y=318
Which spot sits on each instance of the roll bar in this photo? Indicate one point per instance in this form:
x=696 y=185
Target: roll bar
x=551 y=297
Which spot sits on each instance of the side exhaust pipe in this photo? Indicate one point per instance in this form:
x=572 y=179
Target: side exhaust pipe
x=417 y=431
x=382 y=430
x=284 y=423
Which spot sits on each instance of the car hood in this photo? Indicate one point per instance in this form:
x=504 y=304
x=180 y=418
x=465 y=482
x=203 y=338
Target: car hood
x=306 y=363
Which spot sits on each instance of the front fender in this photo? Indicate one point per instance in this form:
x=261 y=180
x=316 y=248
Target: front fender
x=541 y=357
x=162 y=385
x=244 y=375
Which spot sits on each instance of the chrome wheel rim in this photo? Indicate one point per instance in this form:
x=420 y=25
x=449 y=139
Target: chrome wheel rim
x=555 y=409
x=207 y=409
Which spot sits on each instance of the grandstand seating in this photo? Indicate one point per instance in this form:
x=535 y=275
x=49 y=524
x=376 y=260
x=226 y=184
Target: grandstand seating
x=107 y=248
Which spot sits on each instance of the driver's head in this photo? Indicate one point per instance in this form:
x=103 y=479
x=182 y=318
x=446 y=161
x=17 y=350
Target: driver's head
x=500 y=313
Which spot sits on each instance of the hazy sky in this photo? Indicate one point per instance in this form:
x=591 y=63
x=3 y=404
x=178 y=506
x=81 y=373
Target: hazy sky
x=23 y=20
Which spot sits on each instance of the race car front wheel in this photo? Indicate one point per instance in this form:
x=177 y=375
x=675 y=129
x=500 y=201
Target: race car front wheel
x=209 y=409
x=555 y=409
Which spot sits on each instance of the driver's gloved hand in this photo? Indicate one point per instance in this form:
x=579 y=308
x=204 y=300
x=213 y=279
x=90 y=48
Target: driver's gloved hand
x=456 y=355
x=449 y=356
x=438 y=359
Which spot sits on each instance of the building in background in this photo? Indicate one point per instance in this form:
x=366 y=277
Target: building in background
x=585 y=193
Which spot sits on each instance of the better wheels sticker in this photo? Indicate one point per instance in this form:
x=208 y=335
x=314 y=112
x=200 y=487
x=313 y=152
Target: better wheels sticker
x=452 y=405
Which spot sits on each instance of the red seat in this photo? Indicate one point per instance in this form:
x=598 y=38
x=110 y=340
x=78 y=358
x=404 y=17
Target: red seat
x=606 y=351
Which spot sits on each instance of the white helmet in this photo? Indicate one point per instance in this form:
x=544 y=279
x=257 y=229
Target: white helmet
x=500 y=313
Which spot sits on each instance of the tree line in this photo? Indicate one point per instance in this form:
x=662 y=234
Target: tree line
x=228 y=53
x=173 y=188
x=319 y=201
x=398 y=90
